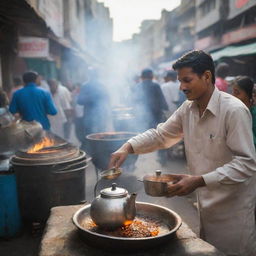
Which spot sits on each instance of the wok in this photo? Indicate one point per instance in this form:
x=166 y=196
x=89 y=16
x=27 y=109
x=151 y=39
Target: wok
x=168 y=217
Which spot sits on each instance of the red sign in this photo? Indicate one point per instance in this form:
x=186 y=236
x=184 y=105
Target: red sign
x=33 y=47
x=239 y=35
x=241 y=3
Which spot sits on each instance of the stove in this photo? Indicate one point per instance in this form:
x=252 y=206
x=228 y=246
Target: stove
x=50 y=173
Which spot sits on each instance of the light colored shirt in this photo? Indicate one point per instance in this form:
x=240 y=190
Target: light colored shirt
x=171 y=94
x=62 y=103
x=219 y=147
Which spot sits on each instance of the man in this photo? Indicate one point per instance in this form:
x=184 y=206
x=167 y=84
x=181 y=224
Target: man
x=63 y=106
x=17 y=84
x=32 y=102
x=94 y=97
x=149 y=102
x=222 y=71
x=170 y=89
x=220 y=153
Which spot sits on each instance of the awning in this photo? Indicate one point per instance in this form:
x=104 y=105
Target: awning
x=232 y=51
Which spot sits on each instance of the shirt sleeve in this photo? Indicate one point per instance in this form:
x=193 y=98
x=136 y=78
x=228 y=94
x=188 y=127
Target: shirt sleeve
x=13 y=108
x=164 y=136
x=49 y=105
x=240 y=141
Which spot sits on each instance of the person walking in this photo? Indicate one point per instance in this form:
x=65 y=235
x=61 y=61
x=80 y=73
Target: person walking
x=94 y=97
x=148 y=101
x=171 y=90
x=221 y=157
x=32 y=102
x=222 y=71
x=63 y=107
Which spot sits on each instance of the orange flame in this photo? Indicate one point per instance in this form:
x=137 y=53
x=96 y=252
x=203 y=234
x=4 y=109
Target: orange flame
x=154 y=233
x=127 y=222
x=45 y=142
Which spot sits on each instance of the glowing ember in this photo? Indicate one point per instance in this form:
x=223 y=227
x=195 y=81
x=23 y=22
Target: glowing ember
x=45 y=142
x=138 y=228
x=127 y=223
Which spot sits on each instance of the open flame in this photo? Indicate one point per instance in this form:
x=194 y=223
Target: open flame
x=45 y=142
x=128 y=223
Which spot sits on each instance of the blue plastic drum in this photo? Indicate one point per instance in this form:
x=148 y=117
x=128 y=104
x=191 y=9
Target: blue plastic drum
x=10 y=220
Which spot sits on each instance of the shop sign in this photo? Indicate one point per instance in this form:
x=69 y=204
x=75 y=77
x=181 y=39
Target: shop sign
x=239 y=35
x=52 y=12
x=33 y=47
x=203 y=43
x=237 y=7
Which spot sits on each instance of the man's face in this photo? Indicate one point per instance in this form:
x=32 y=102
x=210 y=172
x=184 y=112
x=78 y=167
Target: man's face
x=193 y=85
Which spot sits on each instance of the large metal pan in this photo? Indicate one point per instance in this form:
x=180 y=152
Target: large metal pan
x=169 y=218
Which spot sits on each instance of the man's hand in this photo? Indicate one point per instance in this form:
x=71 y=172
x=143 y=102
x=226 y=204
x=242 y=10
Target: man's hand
x=184 y=184
x=119 y=156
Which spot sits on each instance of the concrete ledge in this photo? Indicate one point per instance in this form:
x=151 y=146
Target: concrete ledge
x=61 y=239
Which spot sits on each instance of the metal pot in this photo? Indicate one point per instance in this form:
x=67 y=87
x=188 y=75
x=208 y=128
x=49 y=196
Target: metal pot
x=100 y=146
x=113 y=207
x=157 y=184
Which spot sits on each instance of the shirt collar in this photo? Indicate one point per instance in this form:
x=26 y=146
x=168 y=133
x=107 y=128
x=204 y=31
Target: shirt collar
x=31 y=84
x=212 y=104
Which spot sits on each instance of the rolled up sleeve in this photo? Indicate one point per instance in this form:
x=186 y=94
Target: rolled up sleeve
x=164 y=136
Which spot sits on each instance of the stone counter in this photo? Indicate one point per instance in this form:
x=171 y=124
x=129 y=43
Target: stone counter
x=61 y=238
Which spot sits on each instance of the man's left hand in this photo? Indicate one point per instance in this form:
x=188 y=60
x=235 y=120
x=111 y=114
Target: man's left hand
x=184 y=184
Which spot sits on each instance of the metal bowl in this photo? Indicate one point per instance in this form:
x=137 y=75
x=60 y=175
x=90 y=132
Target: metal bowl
x=168 y=217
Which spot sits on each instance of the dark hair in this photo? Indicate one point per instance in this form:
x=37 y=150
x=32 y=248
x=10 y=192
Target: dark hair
x=222 y=70
x=3 y=99
x=147 y=73
x=29 y=77
x=17 y=81
x=171 y=74
x=246 y=84
x=198 y=60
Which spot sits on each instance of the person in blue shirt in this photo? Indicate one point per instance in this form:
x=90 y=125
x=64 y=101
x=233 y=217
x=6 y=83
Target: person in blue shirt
x=33 y=103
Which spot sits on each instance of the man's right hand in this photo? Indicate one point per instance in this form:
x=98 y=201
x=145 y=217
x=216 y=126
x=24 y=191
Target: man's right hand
x=119 y=156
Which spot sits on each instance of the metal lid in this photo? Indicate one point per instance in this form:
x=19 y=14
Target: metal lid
x=114 y=192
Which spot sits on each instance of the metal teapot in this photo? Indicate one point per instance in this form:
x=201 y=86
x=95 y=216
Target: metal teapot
x=113 y=207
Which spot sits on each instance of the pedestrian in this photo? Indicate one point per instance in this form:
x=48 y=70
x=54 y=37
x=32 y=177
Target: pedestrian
x=171 y=89
x=216 y=128
x=32 y=102
x=63 y=107
x=17 y=84
x=69 y=113
x=222 y=71
x=148 y=101
x=94 y=97
x=243 y=90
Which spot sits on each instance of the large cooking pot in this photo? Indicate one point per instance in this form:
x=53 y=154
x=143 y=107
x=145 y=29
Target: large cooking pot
x=170 y=221
x=101 y=145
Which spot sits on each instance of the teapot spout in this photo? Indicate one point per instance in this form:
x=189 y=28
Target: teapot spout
x=131 y=207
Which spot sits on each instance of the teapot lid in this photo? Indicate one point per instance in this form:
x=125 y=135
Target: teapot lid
x=114 y=192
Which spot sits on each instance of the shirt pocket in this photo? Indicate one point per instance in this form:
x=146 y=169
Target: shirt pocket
x=214 y=147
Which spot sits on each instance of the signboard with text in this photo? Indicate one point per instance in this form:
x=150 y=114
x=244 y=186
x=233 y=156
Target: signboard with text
x=237 y=7
x=33 y=47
